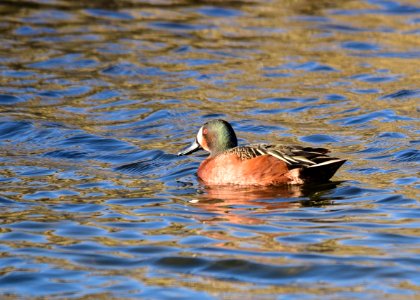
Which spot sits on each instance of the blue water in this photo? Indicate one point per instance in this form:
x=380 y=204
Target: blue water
x=97 y=98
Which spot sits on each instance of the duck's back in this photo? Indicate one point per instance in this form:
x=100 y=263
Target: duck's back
x=265 y=164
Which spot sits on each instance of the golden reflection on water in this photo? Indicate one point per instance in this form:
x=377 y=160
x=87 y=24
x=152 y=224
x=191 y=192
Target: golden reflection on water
x=147 y=86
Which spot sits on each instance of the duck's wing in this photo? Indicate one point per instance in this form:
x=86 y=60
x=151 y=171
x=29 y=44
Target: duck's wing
x=293 y=156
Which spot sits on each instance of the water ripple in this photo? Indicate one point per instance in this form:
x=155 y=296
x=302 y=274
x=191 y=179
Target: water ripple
x=97 y=98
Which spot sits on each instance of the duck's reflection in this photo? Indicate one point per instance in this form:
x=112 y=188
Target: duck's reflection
x=231 y=203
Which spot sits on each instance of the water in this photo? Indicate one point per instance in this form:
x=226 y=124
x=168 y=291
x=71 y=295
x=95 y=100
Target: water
x=96 y=98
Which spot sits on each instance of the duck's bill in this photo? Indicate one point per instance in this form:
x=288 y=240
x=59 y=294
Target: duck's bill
x=190 y=149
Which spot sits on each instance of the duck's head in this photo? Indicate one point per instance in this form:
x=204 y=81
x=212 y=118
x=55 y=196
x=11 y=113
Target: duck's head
x=214 y=136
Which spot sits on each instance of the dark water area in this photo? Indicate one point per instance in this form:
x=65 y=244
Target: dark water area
x=97 y=97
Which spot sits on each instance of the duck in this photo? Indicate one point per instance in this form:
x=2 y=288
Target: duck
x=257 y=164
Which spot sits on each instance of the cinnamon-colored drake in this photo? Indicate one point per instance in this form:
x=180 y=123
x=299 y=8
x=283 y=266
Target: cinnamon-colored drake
x=257 y=164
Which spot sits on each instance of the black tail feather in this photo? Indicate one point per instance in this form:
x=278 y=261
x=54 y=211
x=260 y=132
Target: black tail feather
x=322 y=172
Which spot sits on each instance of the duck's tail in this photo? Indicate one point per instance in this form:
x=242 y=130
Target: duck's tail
x=323 y=171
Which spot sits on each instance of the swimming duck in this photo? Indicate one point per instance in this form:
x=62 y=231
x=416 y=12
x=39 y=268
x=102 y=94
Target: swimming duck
x=257 y=164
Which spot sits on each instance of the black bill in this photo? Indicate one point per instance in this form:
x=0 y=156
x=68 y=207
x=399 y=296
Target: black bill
x=195 y=146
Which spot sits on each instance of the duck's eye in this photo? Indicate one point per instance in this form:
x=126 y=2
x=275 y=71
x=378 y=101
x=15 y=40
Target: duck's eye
x=205 y=131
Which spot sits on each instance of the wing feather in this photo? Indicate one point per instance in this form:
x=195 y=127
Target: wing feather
x=293 y=156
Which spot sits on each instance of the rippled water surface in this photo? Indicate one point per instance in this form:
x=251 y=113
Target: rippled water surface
x=97 y=97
